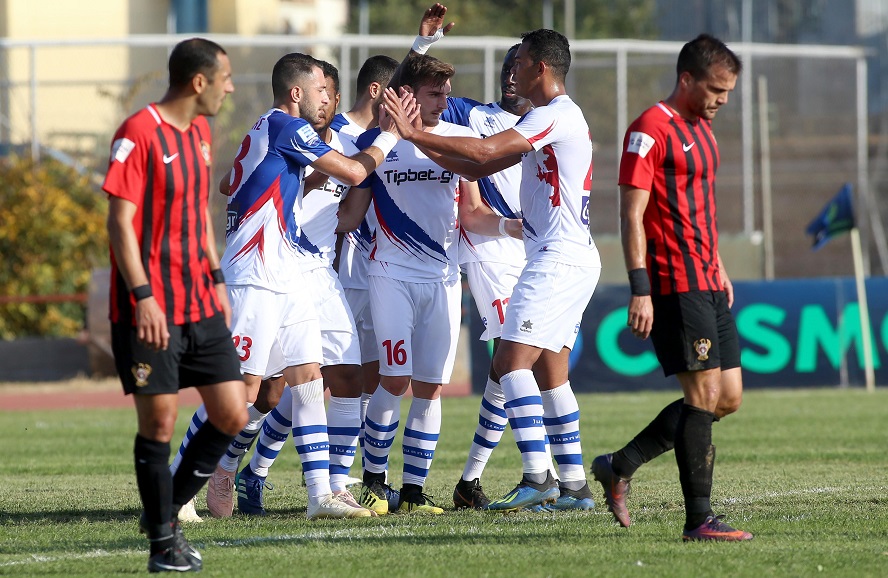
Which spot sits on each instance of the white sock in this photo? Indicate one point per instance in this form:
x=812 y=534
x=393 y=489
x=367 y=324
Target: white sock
x=380 y=427
x=492 y=421
x=561 y=416
x=275 y=431
x=421 y=432
x=310 y=436
x=343 y=425
x=242 y=441
x=525 y=410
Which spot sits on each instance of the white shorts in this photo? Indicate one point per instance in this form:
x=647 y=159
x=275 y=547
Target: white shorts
x=547 y=304
x=491 y=285
x=359 y=302
x=339 y=338
x=273 y=330
x=417 y=327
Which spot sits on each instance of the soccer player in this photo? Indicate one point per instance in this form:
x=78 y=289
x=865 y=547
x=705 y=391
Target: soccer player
x=681 y=294
x=415 y=289
x=275 y=325
x=553 y=144
x=169 y=308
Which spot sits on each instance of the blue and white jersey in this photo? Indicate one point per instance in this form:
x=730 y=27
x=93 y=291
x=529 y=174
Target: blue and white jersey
x=320 y=210
x=556 y=181
x=355 y=251
x=499 y=191
x=417 y=236
x=265 y=206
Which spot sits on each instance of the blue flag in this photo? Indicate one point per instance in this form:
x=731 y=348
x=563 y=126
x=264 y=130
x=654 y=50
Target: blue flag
x=835 y=218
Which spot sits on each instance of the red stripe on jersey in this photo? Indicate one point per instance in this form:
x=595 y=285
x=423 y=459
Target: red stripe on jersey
x=551 y=174
x=543 y=134
x=166 y=174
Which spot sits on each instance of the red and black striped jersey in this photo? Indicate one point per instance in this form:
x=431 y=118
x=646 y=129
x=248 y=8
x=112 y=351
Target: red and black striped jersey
x=676 y=160
x=165 y=172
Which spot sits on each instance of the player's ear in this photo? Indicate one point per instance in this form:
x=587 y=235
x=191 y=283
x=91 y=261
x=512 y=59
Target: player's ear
x=199 y=82
x=296 y=94
x=375 y=89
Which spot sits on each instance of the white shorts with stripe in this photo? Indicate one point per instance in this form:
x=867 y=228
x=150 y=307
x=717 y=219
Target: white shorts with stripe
x=417 y=327
x=491 y=285
x=339 y=338
x=272 y=330
x=547 y=304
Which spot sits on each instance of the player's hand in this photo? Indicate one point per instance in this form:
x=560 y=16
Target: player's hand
x=515 y=228
x=151 y=324
x=222 y=295
x=641 y=316
x=433 y=20
x=728 y=287
x=394 y=115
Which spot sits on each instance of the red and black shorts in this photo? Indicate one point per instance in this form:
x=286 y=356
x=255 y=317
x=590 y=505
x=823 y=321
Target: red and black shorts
x=694 y=331
x=199 y=353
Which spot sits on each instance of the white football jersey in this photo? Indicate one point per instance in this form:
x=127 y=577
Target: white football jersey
x=320 y=215
x=355 y=251
x=556 y=181
x=417 y=237
x=499 y=191
x=265 y=206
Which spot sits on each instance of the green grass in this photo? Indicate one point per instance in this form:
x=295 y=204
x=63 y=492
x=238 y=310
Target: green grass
x=805 y=471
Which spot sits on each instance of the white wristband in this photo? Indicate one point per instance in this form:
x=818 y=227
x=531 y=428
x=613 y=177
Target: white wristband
x=422 y=43
x=385 y=142
x=502 y=227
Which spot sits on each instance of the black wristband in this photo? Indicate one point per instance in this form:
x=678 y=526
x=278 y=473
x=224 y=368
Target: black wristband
x=142 y=292
x=639 y=284
x=217 y=276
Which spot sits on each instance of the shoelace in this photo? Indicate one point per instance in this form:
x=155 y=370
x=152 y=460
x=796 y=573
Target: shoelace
x=420 y=498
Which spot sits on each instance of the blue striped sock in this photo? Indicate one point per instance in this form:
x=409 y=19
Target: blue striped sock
x=561 y=416
x=525 y=410
x=343 y=425
x=492 y=421
x=421 y=431
x=242 y=441
x=197 y=420
x=380 y=427
x=310 y=436
x=275 y=431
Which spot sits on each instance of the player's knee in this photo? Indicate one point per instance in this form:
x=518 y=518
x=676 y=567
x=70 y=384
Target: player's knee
x=728 y=404
x=158 y=428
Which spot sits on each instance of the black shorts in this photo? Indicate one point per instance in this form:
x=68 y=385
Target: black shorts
x=694 y=331
x=200 y=353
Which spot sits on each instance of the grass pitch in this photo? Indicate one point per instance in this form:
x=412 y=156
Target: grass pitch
x=805 y=471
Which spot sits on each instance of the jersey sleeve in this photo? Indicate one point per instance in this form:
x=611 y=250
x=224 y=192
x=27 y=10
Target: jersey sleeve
x=643 y=148
x=539 y=127
x=458 y=110
x=128 y=166
x=300 y=144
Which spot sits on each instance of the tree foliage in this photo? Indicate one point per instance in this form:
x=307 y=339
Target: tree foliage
x=593 y=18
x=52 y=234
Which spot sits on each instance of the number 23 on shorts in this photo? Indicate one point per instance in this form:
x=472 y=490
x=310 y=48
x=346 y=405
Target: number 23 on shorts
x=242 y=343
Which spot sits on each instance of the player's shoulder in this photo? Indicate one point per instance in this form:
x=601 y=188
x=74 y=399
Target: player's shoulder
x=366 y=138
x=655 y=117
x=451 y=129
x=142 y=122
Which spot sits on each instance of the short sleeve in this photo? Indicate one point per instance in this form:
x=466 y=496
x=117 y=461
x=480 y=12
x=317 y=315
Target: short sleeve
x=299 y=143
x=642 y=154
x=539 y=127
x=128 y=166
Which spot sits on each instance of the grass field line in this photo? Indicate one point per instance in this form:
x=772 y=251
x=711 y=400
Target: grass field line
x=377 y=531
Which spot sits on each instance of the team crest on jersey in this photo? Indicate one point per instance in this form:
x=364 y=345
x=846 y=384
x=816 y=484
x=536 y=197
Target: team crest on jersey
x=527 y=326
x=141 y=372
x=205 y=151
x=702 y=347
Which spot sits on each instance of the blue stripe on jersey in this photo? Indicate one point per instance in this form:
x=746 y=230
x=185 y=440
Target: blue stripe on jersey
x=338 y=122
x=495 y=199
x=403 y=231
x=307 y=246
x=458 y=110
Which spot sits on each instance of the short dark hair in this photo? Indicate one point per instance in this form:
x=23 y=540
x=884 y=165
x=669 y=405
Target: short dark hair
x=423 y=69
x=551 y=47
x=289 y=70
x=192 y=57
x=699 y=55
x=379 y=69
x=331 y=72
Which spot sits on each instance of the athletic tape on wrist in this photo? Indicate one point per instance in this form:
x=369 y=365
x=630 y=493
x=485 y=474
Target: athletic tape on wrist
x=422 y=43
x=385 y=142
x=502 y=226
